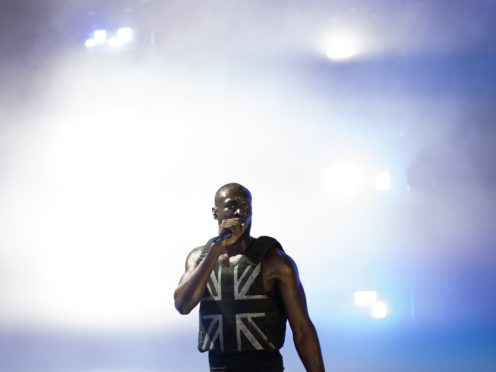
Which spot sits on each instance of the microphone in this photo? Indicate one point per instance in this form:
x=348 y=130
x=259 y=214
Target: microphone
x=225 y=234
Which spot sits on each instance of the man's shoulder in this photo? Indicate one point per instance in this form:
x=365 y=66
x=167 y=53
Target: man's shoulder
x=279 y=266
x=197 y=250
x=201 y=249
x=268 y=240
x=277 y=259
x=259 y=247
x=277 y=254
x=194 y=255
x=268 y=243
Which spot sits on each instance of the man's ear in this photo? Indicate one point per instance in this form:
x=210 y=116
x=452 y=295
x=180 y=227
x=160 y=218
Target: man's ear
x=215 y=213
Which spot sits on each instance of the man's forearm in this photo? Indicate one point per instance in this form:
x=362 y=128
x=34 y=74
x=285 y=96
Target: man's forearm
x=308 y=348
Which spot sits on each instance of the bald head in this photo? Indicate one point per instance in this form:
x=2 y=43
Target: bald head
x=232 y=190
x=233 y=201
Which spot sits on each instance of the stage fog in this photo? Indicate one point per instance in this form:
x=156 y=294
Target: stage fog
x=364 y=131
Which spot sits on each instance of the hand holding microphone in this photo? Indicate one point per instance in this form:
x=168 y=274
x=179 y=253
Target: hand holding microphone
x=225 y=234
x=230 y=231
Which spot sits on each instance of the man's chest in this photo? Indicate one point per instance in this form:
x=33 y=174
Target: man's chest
x=236 y=309
x=234 y=269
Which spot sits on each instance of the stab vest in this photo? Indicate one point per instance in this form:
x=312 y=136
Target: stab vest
x=237 y=314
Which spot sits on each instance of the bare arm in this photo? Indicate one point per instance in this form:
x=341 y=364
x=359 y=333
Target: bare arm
x=292 y=295
x=193 y=282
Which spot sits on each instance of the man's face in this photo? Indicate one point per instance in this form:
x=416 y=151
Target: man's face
x=233 y=203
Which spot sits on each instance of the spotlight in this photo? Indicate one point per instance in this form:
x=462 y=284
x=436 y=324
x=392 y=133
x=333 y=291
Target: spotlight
x=341 y=46
x=100 y=36
x=383 y=181
x=90 y=43
x=379 y=310
x=115 y=42
x=369 y=299
x=365 y=298
x=122 y=36
x=345 y=180
x=125 y=34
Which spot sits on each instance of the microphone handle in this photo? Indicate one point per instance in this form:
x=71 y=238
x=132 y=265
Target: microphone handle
x=223 y=236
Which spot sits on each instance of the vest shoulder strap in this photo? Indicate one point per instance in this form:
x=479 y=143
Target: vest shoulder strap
x=260 y=246
x=204 y=250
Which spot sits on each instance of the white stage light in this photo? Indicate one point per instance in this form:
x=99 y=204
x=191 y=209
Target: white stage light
x=345 y=180
x=383 y=181
x=341 y=47
x=365 y=298
x=100 y=36
x=379 y=310
x=125 y=34
x=90 y=43
x=115 y=42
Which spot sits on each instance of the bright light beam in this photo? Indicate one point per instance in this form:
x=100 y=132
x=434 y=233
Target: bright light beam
x=379 y=310
x=125 y=34
x=100 y=36
x=383 y=181
x=90 y=43
x=365 y=298
x=115 y=42
x=344 y=180
x=341 y=46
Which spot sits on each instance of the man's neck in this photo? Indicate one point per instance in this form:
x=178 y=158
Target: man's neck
x=240 y=247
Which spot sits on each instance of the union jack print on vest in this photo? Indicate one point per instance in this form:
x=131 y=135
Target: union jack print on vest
x=236 y=312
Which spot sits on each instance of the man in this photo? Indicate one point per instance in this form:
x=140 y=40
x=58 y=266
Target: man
x=247 y=288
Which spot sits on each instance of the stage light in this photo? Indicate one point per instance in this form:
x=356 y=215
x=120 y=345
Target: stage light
x=341 y=46
x=90 y=43
x=365 y=298
x=379 y=310
x=115 y=42
x=100 y=36
x=345 y=180
x=122 y=36
x=125 y=34
x=383 y=181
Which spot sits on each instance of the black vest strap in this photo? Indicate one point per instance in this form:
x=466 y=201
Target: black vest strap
x=205 y=250
x=257 y=251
